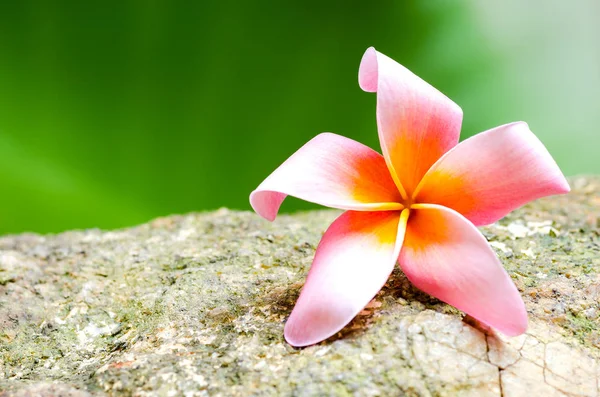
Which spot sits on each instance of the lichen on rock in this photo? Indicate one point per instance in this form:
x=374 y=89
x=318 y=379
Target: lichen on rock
x=195 y=305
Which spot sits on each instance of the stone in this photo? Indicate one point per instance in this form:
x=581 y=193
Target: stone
x=195 y=305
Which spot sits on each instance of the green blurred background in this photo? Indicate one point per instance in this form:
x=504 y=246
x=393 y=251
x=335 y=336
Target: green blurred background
x=115 y=112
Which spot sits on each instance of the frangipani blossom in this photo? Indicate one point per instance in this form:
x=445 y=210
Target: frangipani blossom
x=418 y=205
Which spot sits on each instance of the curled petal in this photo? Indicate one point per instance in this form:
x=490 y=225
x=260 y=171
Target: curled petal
x=446 y=256
x=352 y=263
x=332 y=171
x=492 y=173
x=417 y=124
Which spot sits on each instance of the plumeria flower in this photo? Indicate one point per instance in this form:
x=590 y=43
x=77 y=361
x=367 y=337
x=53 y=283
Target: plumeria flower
x=418 y=204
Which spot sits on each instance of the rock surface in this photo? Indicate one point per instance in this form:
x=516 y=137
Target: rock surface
x=195 y=305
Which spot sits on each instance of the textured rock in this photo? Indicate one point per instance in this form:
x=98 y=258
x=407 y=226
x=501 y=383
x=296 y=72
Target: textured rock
x=195 y=305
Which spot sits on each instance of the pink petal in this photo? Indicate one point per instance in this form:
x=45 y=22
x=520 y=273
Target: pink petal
x=446 y=256
x=417 y=124
x=332 y=171
x=489 y=175
x=352 y=263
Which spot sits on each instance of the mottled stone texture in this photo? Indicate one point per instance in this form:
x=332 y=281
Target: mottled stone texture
x=195 y=305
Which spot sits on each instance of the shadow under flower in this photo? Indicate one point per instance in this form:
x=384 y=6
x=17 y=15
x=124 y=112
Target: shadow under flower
x=398 y=294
